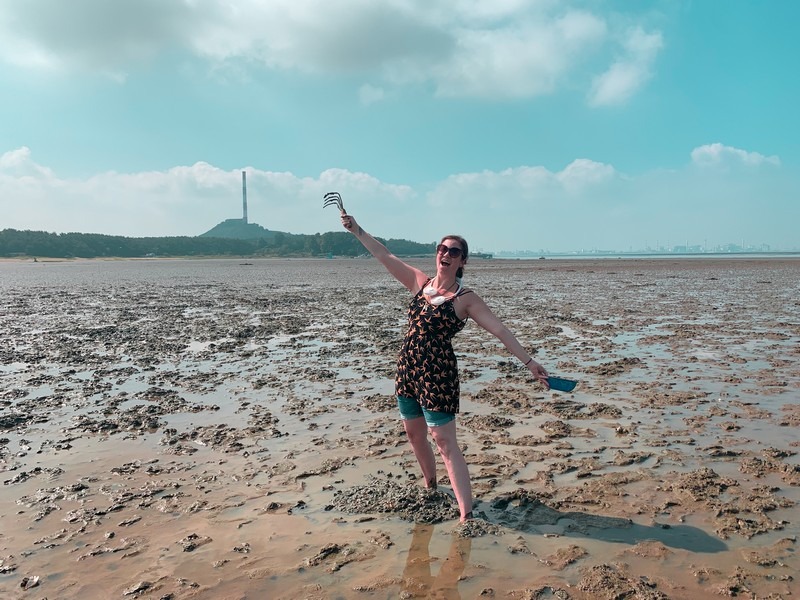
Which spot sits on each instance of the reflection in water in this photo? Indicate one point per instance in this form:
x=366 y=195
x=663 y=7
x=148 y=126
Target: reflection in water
x=418 y=581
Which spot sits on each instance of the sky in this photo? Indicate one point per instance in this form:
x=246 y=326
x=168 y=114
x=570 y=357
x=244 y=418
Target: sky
x=522 y=125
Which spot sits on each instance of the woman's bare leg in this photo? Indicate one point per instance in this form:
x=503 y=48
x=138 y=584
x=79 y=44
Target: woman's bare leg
x=417 y=432
x=445 y=438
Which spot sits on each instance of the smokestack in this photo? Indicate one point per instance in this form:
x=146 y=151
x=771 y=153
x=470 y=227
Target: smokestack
x=244 y=197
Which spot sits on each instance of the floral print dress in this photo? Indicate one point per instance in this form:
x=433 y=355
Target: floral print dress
x=427 y=370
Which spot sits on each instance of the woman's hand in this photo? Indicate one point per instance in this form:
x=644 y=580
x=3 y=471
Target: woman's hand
x=539 y=373
x=349 y=223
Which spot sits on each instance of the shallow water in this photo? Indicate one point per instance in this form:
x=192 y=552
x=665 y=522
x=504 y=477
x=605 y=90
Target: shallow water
x=231 y=401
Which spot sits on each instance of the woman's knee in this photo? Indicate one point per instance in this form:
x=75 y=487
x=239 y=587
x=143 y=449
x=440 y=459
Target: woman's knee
x=416 y=429
x=445 y=442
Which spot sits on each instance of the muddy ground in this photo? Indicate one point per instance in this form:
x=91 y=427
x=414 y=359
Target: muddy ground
x=226 y=429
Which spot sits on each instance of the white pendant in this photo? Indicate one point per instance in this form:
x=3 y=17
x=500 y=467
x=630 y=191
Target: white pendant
x=429 y=291
x=438 y=300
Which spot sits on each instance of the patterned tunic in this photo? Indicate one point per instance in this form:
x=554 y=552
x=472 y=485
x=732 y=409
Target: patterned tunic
x=426 y=367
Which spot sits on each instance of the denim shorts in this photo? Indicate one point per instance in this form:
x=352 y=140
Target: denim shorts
x=411 y=409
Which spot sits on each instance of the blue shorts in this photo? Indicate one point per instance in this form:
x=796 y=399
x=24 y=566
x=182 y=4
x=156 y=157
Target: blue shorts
x=411 y=409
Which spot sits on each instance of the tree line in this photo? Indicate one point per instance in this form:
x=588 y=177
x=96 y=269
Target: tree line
x=16 y=243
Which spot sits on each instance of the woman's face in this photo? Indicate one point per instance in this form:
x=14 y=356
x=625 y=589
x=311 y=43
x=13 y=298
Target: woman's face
x=449 y=257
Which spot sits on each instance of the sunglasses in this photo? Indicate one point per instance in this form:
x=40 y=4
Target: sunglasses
x=452 y=252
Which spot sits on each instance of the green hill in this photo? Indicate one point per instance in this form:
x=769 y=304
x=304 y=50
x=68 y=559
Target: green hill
x=237 y=229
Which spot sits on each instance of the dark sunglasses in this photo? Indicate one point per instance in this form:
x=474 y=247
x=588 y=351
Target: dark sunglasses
x=452 y=252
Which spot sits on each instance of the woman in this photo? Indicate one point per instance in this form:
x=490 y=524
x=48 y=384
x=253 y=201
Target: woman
x=427 y=375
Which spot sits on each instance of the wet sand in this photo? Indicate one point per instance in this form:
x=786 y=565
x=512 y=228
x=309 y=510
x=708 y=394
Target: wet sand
x=214 y=429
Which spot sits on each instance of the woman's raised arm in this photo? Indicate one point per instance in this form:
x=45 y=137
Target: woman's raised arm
x=412 y=278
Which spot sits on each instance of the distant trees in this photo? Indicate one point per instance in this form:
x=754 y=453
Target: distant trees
x=93 y=245
x=14 y=242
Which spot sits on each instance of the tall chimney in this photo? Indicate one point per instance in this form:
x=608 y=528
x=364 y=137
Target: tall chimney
x=244 y=197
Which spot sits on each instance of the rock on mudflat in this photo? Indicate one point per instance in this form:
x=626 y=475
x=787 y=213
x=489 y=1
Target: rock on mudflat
x=140 y=587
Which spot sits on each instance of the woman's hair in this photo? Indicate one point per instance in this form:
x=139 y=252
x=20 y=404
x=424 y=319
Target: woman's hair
x=464 y=252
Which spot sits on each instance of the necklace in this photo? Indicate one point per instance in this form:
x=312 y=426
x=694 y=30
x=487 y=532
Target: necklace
x=431 y=290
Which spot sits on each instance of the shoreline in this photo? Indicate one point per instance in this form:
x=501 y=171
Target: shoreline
x=546 y=257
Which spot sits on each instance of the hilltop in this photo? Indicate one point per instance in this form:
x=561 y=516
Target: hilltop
x=239 y=229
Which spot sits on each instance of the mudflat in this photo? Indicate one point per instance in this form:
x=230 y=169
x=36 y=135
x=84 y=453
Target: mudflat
x=226 y=429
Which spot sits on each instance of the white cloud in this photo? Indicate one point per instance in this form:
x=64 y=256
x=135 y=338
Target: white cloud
x=307 y=35
x=583 y=173
x=629 y=72
x=508 y=49
x=94 y=35
x=535 y=186
x=718 y=155
x=517 y=61
x=18 y=163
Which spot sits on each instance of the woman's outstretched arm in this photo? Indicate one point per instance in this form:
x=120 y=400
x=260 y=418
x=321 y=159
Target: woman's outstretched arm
x=474 y=307
x=411 y=277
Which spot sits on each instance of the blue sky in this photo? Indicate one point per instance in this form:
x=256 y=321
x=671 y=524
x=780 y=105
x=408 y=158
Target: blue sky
x=545 y=124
